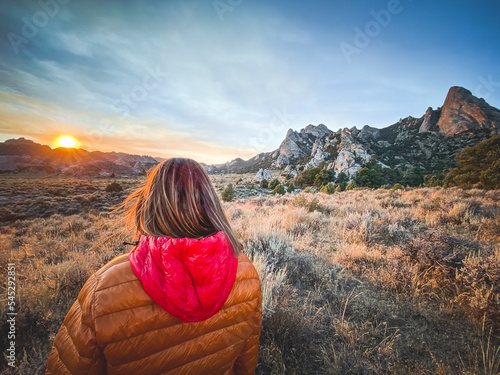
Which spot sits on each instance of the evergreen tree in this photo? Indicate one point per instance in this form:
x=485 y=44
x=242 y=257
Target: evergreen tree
x=264 y=184
x=274 y=183
x=324 y=177
x=413 y=177
x=392 y=175
x=448 y=180
x=227 y=194
x=291 y=187
x=371 y=175
x=342 y=178
x=479 y=165
x=279 y=189
x=351 y=185
x=307 y=176
x=328 y=188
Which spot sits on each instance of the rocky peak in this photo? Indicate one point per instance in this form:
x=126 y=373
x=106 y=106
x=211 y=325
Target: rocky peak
x=368 y=133
x=293 y=146
x=23 y=146
x=431 y=118
x=299 y=145
x=461 y=112
x=290 y=133
x=316 y=130
x=423 y=142
x=19 y=142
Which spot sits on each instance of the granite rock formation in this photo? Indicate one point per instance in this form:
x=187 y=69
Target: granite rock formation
x=428 y=142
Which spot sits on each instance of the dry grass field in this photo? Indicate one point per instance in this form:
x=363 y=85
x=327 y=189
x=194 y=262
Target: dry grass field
x=358 y=282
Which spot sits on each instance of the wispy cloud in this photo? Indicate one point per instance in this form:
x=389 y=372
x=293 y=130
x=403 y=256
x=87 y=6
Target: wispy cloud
x=45 y=122
x=91 y=69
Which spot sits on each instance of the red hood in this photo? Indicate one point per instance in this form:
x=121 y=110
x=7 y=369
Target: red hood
x=189 y=278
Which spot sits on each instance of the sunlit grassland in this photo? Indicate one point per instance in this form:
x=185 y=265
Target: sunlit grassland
x=358 y=282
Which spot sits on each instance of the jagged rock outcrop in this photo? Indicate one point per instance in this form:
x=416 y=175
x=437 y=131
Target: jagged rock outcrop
x=324 y=149
x=263 y=174
x=368 y=134
x=282 y=160
x=293 y=146
x=299 y=145
x=291 y=170
x=462 y=112
x=317 y=131
x=431 y=118
x=352 y=154
x=429 y=142
x=318 y=155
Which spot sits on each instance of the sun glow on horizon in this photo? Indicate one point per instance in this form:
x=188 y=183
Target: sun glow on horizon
x=67 y=141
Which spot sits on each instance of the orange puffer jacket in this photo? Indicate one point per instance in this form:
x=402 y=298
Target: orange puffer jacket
x=171 y=306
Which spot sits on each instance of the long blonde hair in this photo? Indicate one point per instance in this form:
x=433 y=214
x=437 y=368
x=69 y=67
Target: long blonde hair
x=178 y=200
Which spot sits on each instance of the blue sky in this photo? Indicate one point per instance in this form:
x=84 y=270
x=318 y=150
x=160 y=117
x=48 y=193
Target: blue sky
x=215 y=80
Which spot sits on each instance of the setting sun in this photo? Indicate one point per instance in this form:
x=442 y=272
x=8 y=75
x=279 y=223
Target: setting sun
x=67 y=141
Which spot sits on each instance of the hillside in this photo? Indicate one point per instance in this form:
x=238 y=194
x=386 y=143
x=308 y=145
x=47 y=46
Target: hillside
x=23 y=155
x=429 y=142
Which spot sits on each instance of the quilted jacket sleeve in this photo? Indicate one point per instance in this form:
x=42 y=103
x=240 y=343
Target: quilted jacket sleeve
x=247 y=361
x=75 y=349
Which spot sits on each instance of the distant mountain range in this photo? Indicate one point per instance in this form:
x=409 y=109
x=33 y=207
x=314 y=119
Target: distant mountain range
x=429 y=142
x=24 y=155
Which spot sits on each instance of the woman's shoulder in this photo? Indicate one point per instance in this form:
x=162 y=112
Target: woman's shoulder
x=118 y=272
x=118 y=288
x=115 y=272
x=246 y=270
x=247 y=283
